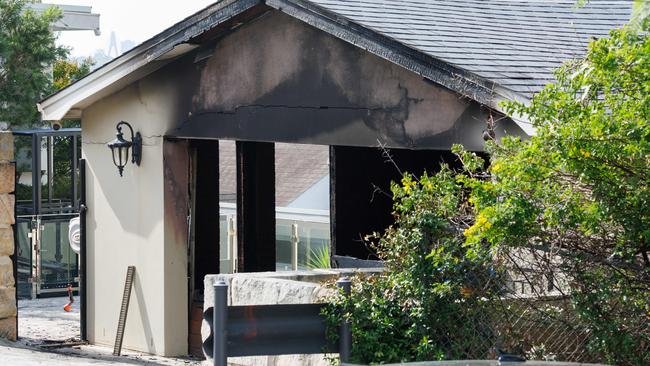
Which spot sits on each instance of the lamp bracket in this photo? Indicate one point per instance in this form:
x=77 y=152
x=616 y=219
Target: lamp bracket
x=137 y=149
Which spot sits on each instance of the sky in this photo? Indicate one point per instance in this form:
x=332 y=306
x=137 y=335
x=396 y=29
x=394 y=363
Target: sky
x=134 y=20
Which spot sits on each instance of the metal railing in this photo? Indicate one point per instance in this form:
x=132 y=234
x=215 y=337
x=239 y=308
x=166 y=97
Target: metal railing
x=300 y=234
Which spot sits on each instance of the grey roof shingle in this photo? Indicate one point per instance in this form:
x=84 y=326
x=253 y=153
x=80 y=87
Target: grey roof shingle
x=513 y=43
x=486 y=50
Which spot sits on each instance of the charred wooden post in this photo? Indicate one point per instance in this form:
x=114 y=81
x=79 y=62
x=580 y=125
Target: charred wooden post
x=255 y=206
x=206 y=210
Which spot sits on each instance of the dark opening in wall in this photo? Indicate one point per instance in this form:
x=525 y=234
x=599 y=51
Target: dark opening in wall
x=362 y=200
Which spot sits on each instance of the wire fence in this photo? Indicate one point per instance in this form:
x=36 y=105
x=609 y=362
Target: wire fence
x=527 y=312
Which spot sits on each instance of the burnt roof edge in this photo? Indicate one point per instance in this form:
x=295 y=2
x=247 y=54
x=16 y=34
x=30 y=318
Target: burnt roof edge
x=441 y=72
x=61 y=104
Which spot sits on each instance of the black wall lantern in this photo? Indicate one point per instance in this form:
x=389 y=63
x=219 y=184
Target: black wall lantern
x=120 y=147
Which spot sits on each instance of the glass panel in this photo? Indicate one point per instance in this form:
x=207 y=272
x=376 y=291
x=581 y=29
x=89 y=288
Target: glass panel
x=227 y=205
x=60 y=182
x=283 y=245
x=56 y=168
x=24 y=255
x=226 y=244
x=313 y=248
x=58 y=261
x=302 y=199
x=313 y=236
x=313 y=244
x=223 y=238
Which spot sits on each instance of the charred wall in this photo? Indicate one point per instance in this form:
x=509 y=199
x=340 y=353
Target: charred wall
x=278 y=79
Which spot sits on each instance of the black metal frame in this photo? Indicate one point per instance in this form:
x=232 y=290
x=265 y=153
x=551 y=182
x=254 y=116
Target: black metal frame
x=14 y=257
x=37 y=206
x=77 y=204
x=82 y=253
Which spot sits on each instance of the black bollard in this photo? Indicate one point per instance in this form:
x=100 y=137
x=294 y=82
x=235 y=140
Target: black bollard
x=345 y=331
x=220 y=315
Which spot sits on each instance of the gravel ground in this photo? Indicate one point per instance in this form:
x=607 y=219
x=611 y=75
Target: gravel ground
x=43 y=321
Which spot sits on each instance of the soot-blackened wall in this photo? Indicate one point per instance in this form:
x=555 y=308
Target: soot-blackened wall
x=277 y=79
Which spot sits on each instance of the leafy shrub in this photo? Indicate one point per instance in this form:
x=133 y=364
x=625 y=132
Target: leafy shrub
x=430 y=302
x=319 y=258
x=580 y=190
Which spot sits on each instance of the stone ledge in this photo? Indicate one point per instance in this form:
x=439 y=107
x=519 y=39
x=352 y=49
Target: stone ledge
x=7 y=177
x=7 y=202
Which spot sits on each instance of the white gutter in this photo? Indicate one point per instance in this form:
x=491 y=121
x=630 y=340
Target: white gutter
x=522 y=121
x=525 y=125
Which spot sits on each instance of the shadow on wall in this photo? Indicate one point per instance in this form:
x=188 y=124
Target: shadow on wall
x=144 y=317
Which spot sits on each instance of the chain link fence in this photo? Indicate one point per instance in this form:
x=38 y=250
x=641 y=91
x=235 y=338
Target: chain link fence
x=526 y=311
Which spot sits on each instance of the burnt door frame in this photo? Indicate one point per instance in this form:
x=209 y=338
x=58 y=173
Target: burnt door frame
x=255 y=206
x=204 y=201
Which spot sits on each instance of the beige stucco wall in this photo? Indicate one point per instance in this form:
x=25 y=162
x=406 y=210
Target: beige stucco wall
x=126 y=223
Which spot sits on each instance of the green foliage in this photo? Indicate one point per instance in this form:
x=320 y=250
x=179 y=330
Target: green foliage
x=429 y=302
x=27 y=51
x=319 y=258
x=66 y=72
x=579 y=190
x=575 y=198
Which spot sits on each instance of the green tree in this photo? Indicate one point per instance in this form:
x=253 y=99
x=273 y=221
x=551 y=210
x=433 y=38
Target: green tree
x=66 y=72
x=579 y=190
x=32 y=66
x=27 y=53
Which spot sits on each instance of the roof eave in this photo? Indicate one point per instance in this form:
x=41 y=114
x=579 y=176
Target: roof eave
x=138 y=62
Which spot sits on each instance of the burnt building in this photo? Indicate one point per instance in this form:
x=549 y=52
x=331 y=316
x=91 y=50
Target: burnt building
x=412 y=76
